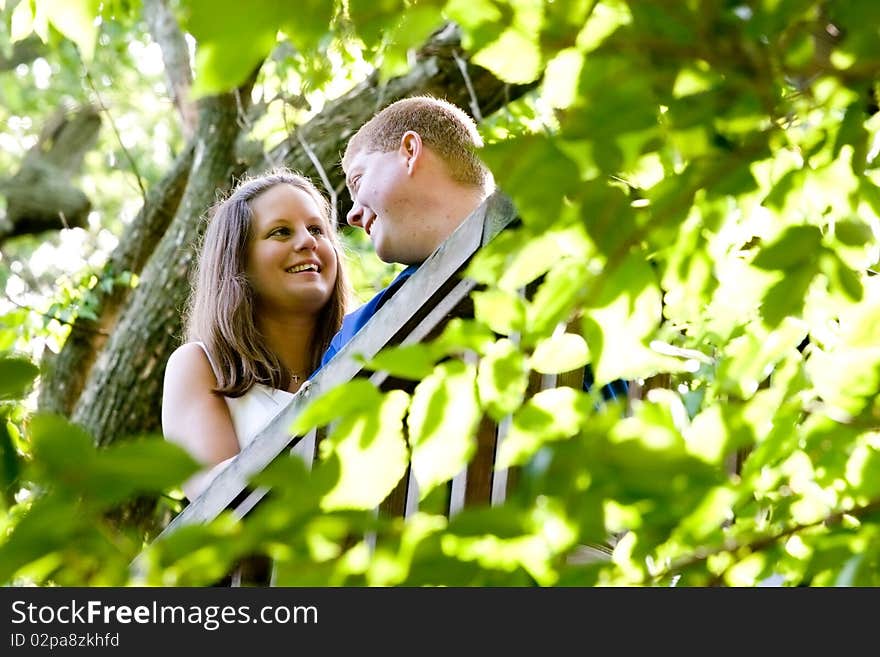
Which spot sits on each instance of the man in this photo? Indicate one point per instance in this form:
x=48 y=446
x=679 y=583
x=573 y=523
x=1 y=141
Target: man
x=414 y=176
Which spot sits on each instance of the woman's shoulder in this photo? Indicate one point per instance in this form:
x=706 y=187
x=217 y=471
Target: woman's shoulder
x=191 y=361
x=190 y=351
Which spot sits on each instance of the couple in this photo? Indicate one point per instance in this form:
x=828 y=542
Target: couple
x=269 y=299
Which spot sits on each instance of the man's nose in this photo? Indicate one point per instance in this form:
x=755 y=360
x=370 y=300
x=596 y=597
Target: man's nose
x=355 y=216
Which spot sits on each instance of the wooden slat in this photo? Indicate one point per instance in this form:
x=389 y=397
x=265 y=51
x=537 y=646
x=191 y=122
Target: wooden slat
x=479 y=470
x=500 y=475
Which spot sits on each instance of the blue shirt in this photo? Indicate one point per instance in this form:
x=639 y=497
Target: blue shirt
x=354 y=321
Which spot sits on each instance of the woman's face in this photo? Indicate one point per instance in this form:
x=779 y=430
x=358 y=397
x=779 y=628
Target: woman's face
x=291 y=262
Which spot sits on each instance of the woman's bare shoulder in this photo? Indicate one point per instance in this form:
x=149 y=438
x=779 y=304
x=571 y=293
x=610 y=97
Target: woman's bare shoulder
x=190 y=361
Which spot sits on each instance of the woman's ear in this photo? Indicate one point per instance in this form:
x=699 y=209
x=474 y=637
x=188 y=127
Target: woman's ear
x=411 y=149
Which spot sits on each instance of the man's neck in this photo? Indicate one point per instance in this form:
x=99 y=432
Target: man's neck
x=452 y=203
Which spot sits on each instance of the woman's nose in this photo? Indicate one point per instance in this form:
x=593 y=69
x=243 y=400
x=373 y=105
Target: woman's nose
x=305 y=239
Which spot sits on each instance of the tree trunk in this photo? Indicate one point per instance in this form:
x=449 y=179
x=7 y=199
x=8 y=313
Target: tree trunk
x=125 y=383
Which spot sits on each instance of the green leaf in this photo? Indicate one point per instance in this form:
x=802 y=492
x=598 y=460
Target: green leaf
x=144 y=465
x=412 y=361
x=844 y=280
x=373 y=18
x=370 y=453
x=75 y=19
x=502 y=379
x=515 y=57
x=233 y=39
x=863 y=473
x=22 y=21
x=796 y=246
x=10 y=464
x=537 y=174
x=16 y=376
x=503 y=312
x=550 y=415
x=394 y=28
x=539 y=253
x=442 y=420
x=786 y=297
x=846 y=378
x=346 y=399
x=853 y=232
x=556 y=298
x=622 y=320
x=48 y=526
x=65 y=454
x=750 y=358
x=560 y=353
x=62 y=450
x=463 y=335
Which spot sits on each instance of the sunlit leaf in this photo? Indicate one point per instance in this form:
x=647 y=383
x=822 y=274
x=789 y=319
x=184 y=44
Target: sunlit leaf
x=75 y=19
x=370 y=452
x=514 y=57
x=233 y=39
x=412 y=361
x=342 y=400
x=556 y=298
x=548 y=416
x=620 y=322
x=863 y=472
x=442 y=420
x=560 y=353
x=502 y=379
x=461 y=335
x=503 y=312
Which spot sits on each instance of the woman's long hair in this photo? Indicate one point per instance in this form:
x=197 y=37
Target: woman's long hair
x=220 y=308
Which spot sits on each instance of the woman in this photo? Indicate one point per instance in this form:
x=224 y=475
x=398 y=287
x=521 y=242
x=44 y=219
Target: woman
x=269 y=293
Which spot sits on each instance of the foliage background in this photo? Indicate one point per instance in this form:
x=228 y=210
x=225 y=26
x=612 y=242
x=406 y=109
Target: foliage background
x=698 y=187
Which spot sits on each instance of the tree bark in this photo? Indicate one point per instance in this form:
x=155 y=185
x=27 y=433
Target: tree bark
x=175 y=54
x=41 y=195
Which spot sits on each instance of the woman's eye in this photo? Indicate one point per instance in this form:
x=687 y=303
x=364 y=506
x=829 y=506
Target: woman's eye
x=316 y=230
x=280 y=231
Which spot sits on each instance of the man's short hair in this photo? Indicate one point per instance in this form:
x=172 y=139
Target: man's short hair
x=444 y=127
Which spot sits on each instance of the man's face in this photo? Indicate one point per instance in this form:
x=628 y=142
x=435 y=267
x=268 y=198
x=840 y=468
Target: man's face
x=386 y=199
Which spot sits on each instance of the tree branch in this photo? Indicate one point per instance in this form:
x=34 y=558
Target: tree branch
x=167 y=34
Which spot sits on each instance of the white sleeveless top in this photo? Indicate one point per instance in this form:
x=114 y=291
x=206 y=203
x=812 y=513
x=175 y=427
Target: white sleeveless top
x=251 y=413
x=254 y=409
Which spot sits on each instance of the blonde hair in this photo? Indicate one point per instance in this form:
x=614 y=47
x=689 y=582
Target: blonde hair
x=446 y=128
x=220 y=308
